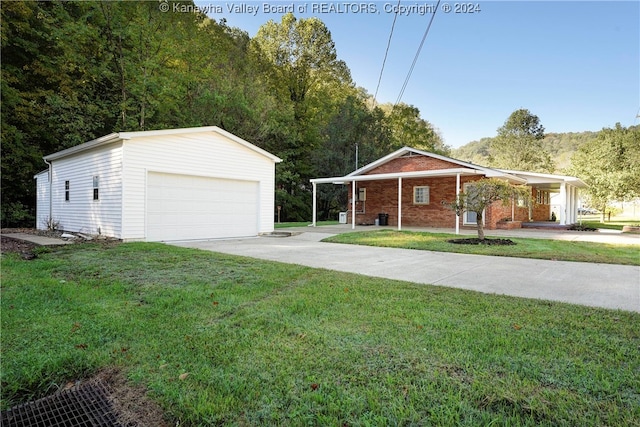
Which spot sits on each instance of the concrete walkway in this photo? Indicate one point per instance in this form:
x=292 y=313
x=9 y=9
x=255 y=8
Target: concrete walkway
x=596 y=285
x=38 y=240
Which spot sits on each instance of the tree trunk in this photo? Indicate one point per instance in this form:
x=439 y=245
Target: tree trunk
x=479 y=226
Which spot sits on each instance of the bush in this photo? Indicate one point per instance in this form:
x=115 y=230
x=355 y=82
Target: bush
x=15 y=214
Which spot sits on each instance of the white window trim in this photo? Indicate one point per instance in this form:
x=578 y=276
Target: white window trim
x=96 y=186
x=428 y=196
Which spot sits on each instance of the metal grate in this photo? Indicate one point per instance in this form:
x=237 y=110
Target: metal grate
x=85 y=405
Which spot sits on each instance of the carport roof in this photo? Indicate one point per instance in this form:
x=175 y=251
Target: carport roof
x=464 y=169
x=541 y=180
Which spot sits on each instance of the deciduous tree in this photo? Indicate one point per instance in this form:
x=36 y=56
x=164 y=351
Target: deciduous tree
x=519 y=146
x=610 y=166
x=482 y=193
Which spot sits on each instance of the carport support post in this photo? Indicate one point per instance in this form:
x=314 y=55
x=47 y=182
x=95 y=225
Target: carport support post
x=563 y=203
x=399 y=203
x=457 y=195
x=313 y=220
x=353 y=205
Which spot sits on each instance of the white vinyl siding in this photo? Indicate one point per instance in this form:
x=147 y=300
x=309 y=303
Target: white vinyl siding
x=42 y=200
x=207 y=155
x=81 y=213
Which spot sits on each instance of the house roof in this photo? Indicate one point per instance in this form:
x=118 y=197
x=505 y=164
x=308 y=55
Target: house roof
x=550 y=181
x=464 y=169
x=121 y=136
x=547 y=179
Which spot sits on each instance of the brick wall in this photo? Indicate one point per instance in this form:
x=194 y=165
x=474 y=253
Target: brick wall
x=382 y=197
x=412 y=164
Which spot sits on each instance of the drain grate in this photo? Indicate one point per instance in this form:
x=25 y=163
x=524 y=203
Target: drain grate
x=85 y=405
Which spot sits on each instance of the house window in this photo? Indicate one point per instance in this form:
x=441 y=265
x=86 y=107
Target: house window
x=421 y=195
x=96 y=186
x=66 y=191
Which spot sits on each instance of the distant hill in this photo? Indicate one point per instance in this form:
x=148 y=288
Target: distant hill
x=561 y=146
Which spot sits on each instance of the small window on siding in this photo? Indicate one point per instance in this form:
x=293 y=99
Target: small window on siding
x=96 y=186
x=66 y=191
x=421 y=195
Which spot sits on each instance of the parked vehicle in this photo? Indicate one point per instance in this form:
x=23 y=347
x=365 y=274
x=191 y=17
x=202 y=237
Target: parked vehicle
x=587 y=211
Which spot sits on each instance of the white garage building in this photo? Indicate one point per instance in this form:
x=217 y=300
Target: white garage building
x=176 y=184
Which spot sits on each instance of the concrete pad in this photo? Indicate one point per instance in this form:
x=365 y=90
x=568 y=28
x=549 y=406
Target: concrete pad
x=38 y=240
x=596 y=285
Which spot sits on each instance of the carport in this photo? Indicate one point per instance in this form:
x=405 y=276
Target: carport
x=454 y=173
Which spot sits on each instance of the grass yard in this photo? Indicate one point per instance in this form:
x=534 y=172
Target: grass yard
x=616 y=223
x=224 y=340
x=303 y=224
x=524 y=248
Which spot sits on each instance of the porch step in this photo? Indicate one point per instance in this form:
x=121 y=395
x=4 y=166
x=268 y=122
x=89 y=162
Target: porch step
x=544 y=224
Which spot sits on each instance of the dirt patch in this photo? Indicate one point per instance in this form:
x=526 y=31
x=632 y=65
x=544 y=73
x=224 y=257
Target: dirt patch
x=578 y=227
x=26 y=249
x=132 y=405
x=17 y=246
x=106 y=399
x=488 y=242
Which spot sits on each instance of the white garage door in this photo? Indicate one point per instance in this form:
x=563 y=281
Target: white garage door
x=183 y=207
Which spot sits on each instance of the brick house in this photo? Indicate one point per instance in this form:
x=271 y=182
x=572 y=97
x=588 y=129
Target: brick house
x=409 y=187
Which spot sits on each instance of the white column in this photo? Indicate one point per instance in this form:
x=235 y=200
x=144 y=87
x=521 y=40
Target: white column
x=353 y=205
x=399 y=203
x=563 y=203
x=574 y=204
x=313 y=220
x=457 y=195
x=570 y=205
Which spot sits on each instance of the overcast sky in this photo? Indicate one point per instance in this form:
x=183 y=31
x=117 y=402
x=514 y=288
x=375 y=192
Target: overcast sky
x=575 y=64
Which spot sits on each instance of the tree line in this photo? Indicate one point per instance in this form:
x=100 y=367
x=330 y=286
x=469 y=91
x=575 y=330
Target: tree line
x=74 y=71
x=608 y=161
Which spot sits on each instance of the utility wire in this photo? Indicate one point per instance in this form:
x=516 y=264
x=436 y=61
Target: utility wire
x=415 y=59
x=386 y=52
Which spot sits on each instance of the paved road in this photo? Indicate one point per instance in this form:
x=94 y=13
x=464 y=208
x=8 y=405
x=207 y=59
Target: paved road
x=597 y=285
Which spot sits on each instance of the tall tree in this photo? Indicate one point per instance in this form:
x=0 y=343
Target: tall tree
x=409 y=129
x=610 y=166
x=518 y=145
x=299 y=60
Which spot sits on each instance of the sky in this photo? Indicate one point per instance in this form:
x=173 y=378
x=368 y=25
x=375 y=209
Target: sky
x=574 y=64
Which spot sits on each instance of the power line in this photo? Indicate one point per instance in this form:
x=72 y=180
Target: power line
x=386 y=52
x=415 y=59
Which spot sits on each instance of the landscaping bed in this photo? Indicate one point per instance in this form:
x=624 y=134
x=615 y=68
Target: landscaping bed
x=485 y=241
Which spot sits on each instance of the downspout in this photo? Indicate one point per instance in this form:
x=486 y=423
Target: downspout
x=50 y=191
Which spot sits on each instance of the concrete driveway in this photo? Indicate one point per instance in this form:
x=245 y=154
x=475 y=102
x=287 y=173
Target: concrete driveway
x=596 y=285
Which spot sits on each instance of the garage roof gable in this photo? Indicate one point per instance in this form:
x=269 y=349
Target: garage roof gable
x=121 y=136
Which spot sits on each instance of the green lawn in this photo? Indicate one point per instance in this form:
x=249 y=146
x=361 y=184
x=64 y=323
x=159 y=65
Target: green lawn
x=303 y=224
x=616 y=223
x=265 y=343
x=524 y=248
